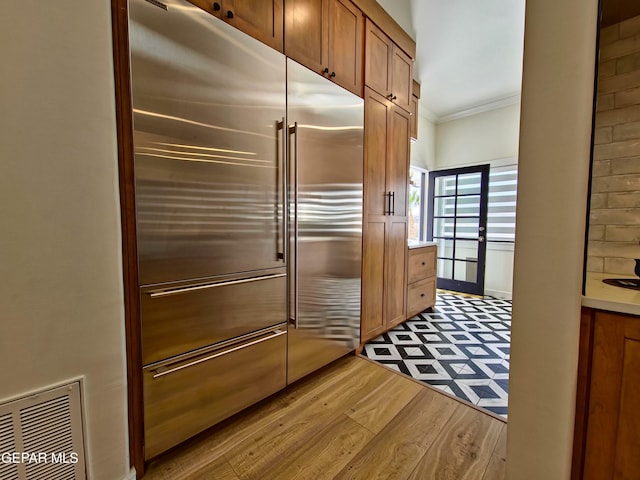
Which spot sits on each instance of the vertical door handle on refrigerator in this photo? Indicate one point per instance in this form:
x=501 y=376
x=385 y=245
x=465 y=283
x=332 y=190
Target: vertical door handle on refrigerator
x=281 y=183
x=392 y=203
x=293 y=163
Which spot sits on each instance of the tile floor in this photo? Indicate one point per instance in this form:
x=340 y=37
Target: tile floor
x=462 y=348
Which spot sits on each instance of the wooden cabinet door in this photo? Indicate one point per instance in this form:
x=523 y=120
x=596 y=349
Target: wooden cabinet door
x=262 y=19
x=372 y=317
x=346 y=45
x=397 y=169
x=613 y=425
x=378 y=55
x=414 y=117
x=305 y=25
x=388 y=70
x=401 y=78
x=375 y=153
x=395 y=278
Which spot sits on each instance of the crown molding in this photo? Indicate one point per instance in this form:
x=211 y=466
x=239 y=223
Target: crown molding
x=481 y=108
x=428 y=114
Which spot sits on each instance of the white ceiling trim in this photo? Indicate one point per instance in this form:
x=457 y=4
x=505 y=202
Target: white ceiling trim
x=428 y=114
x=474 y=110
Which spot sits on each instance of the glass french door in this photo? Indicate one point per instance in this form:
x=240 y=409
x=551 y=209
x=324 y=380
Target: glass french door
x=457 y=222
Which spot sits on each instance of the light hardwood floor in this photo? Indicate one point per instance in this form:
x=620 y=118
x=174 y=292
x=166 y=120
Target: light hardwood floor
x=351 y=420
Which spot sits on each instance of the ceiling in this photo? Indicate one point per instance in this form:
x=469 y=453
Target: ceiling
x=468 y=52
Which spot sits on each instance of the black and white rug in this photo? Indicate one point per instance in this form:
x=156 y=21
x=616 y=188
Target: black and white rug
x=462 y=348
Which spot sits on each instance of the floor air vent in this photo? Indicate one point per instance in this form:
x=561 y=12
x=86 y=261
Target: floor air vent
x=41 y=436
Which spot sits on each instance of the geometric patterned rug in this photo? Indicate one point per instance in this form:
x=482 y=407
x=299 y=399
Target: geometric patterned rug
x=462 y=348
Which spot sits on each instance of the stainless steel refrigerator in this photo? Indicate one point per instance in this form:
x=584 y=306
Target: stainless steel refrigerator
x=249 y=218
x=326 y=171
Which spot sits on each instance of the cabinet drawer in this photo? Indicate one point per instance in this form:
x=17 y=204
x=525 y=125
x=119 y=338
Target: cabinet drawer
x=187 y=396
x=420 y=296
x=422 y=263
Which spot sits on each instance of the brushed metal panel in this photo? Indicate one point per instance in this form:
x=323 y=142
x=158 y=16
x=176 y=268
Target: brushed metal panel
x=209 y=102
x=189 y=400
x=326 y=188
x=192 y=319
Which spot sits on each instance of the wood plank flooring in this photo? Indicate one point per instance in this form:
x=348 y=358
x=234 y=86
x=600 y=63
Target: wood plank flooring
x=351 y=420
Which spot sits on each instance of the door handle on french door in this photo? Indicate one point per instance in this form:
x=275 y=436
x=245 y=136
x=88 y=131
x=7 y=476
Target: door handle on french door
x=281 y=171
x=292 y=130
x=387 y=206
x=392 y=196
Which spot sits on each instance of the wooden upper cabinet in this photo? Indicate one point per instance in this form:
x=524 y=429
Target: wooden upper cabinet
x=261 y=19
x=327 y=37
x=388 y=69
x=401 y=78
x=346 y=42
x=305 y=24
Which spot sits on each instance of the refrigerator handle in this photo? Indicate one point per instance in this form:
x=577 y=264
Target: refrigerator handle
x=393 y=203
x=281 y=182
x=293 y=132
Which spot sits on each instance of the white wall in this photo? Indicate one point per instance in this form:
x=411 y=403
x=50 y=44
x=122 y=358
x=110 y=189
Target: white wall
x=557 y=96
x=400 y=10
x=487 y=137
x=423 y=150
x=61 y=284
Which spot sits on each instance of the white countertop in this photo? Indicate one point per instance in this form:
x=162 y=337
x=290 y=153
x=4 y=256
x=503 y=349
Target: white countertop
x=608 y=297
x=418 y=244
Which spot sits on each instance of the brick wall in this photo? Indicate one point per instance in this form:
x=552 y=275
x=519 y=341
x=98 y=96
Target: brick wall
x=614 y=226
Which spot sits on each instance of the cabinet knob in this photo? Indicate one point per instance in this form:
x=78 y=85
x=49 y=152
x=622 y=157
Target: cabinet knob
x=216 y=7
x=422 y=294
x=326 y=70
x=423 y=264
x=333 y=74
x=229 y=14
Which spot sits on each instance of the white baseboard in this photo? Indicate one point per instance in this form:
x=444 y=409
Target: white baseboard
x=499 y=294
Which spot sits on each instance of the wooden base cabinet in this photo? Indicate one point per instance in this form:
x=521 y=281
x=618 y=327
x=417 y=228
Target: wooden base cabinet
x=607 y=433
x=386 y=176
x=421 y=279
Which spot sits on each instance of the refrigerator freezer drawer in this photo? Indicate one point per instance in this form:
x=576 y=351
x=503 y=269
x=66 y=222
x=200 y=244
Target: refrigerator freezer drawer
x=187 y=397
x=185 y=318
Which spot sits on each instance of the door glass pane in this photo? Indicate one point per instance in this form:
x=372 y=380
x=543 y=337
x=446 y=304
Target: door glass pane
x=445 y=268
x=466 y=250
x=466 y=271
x=444 y=206
x=445 y=186
x=443 y=227
x=469 y=183
x=468 y=206
x=445 y=247
x=467 y=227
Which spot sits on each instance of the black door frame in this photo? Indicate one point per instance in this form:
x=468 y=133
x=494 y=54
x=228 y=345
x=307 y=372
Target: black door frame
x=477 y=287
